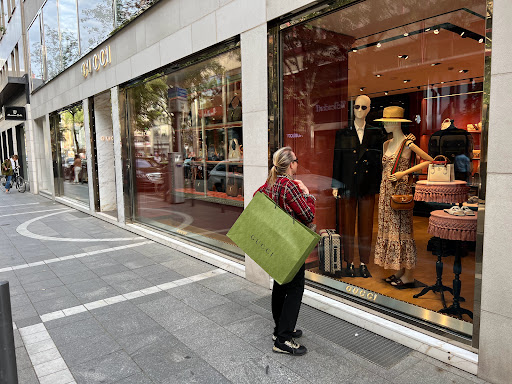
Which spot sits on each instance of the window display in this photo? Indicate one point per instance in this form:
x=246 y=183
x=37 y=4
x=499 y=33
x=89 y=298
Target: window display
x=186 y=129
x=69 y=153
x=386 y=111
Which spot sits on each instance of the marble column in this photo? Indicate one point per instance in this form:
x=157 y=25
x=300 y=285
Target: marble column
x=116 y=125
x=105 y=152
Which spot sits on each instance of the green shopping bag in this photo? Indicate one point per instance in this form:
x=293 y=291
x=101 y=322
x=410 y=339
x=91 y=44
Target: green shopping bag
x=277 y=242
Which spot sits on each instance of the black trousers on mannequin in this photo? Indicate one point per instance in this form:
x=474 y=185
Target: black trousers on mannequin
x=286 y=300
x=360 y=208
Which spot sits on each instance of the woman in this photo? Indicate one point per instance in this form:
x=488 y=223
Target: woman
x=292 y=196
x=77 y=167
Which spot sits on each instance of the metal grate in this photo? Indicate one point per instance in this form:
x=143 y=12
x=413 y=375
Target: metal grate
x=366 y=344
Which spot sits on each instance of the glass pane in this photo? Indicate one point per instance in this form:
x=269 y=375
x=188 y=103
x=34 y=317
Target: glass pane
x=96 y=22
x=126 y=9
x=69 y=153
x=341 y=73
x=36 y=61
x=68 y=31
x=52 y=39
x=187 y=134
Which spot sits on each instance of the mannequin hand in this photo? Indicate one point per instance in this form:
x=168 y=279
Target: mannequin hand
x=410 y=137
x=396 y=176
x=303 y=188
x=335 y=193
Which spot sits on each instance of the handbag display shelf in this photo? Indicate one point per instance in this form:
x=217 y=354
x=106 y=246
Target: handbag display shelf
x=276 y=241
x=453 y=192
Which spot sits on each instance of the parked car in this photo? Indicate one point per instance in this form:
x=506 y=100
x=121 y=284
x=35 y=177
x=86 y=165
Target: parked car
x=217 y=176
x=149 y=174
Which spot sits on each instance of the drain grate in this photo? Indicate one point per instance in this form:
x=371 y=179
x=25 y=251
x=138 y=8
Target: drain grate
x=368 y=345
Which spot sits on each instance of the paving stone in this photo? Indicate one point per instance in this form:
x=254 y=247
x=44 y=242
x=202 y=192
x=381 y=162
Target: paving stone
x=201 y=333
x=164 y=277
x=27 y=376
x=48 y=293
x=21 y=323
x=138 y=262
x=198 y=297
x=68 y=267
x=105 y=369
x=227 y=313
x=56 y=304
x=251 y=328
x=120 y=277
x=148 y=298
x=224 y=284
x=88 y=349
x=120 y=323
x=110 y=270
x=36 y=277
x=78 y=277
x=60 y=322
x=22 y=359
x=200 y=374
x=138 y=378
x=20 y=300
x=23 y=312
x=60 y=377
x=244 y=297
x=131 y=285
x=156 y=334
x=40 y=285
x=92 y=290
x=76 y=331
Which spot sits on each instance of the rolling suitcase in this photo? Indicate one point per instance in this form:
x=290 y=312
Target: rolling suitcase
x=330 y=249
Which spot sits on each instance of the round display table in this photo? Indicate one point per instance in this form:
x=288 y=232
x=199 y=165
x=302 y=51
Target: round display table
x=452 y=192
x=458 y=228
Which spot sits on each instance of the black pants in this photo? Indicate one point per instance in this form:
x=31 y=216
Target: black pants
x=286 y=300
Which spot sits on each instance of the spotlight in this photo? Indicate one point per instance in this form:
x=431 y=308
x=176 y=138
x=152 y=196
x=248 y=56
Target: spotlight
x=436 y=31
x=481 y=41
x=406 y=34
x=434 y=64
x=354 y=50
x=405 y=57
x=406 y=81
x=362 y=89
x=428 y=29
x=379 y=45
x=442 y=82
x=378 y=75
x=386 y=93
x=464 y=71
x=462 y=34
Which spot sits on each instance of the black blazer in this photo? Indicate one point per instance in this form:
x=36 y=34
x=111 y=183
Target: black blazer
x=357 y=167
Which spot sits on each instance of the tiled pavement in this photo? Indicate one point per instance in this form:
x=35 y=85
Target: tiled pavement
x=133 y=311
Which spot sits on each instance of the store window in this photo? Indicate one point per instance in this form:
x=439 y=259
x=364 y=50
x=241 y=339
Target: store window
x=36 y=54
x=69 y=153
x=355 y=82
x=186 y=133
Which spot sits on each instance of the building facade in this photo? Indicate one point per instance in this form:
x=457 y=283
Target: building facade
x=162 y=117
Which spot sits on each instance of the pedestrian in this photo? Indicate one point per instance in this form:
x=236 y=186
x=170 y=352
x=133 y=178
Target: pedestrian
x=8 y=167
x=292 y=196
x=77 y=167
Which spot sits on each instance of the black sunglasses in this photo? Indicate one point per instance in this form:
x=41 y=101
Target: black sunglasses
x=363 y=107
x=296 y=160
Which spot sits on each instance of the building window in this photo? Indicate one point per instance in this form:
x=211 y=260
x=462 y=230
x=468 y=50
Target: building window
x=96 y=20
x=186 y=131
x=35 y=54
x=341 y=73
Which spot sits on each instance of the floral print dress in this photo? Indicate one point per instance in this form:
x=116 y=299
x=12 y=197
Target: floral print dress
x=395 y=247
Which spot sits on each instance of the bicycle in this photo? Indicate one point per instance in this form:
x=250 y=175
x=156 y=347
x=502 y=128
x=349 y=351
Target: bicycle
x=17 y=181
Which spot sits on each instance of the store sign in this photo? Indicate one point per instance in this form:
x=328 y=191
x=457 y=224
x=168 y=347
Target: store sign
x=107 y=138
x=360 y=292
x=209 y=112
x=97 y=61
x=15 y=113
x=337 y=105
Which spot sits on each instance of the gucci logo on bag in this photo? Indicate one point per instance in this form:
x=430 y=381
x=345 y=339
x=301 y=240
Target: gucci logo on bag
x=267 y=250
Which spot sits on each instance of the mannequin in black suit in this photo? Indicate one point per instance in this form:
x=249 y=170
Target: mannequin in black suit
x=357 y=172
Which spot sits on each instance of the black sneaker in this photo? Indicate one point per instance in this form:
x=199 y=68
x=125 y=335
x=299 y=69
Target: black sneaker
x=290 y=347
x=296 y=334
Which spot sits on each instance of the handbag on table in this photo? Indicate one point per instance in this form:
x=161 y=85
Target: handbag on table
x=275 y=240
x=401 y=202
x=441 y=170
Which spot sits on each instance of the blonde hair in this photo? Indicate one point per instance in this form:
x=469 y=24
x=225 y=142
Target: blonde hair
x=282 y=159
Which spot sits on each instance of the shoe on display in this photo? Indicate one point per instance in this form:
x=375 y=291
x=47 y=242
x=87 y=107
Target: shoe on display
x=363 y=269
x=296 y=334
x=455 y=211
x=290 y=347
x=468 y=211
x=473 y=200
x=351 y=270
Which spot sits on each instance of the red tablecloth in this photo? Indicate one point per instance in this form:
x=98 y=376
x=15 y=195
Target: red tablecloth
x=446 y=226
x=441 y=192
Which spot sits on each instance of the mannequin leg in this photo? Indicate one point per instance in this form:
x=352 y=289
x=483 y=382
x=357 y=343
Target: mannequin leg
x=365 y=208
x=348 y=226
x=408 y=276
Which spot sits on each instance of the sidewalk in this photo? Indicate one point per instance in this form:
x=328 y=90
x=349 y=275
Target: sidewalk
x=92 y=303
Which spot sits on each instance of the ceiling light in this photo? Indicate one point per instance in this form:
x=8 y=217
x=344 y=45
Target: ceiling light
x=354 y=50
x=405 y=57
x=386 y=93
x=436 y=31
x=379 y=45
x=481 y=41
x=464 y=71
x=406 y=81
x=462 y=34
x=442 y=82
x=406 y=34
x=428 y=29
x=378 y=75
x=434 y=64
x=362 y=89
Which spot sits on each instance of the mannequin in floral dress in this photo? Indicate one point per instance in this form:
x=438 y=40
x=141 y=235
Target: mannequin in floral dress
x=395 y=248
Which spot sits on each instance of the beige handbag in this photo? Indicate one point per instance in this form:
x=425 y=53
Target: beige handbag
x=446 y=123
x=440 y=170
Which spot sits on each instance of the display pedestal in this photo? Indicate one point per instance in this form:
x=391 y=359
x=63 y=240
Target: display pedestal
x=453 y=192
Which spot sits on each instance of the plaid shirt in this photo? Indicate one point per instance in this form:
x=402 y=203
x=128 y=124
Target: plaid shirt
x=288 y=196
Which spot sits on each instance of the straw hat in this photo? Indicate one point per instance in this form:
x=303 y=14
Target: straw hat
x=394 y=114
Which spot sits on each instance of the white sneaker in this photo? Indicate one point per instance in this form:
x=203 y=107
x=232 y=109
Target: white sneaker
x=468 y=211
x=455 y=211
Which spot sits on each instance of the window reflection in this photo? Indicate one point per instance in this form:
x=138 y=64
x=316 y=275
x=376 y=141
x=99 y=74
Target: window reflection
x=51 y=37
x=96 y=22
x=187 y=135
x=126 y=9
x=36 y=57
x=68 y=31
